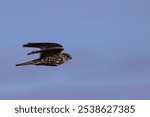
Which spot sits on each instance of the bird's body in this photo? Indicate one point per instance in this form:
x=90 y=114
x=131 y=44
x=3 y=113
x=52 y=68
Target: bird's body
x=50 y=54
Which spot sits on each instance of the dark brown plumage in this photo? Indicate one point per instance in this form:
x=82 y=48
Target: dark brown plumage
x=50 y=54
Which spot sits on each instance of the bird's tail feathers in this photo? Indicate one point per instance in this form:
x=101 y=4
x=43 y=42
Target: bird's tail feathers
x=33 y=62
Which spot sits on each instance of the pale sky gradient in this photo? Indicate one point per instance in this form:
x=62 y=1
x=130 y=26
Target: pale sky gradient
x=109 y=41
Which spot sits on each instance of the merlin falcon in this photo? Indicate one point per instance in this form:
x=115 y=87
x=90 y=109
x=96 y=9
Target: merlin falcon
x=50 y=54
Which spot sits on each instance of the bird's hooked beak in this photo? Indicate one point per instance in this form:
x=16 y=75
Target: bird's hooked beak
x=70 y=57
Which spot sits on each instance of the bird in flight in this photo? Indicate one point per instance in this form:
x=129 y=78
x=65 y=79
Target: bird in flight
x=50 y=54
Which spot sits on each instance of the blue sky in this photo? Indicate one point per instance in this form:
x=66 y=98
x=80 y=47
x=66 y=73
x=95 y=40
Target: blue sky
x=108 y=40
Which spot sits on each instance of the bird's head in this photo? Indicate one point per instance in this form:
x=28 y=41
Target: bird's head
x=66 y=56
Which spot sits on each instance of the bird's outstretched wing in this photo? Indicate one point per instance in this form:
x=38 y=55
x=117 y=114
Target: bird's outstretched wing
x=46 y=49
x=42 y=45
